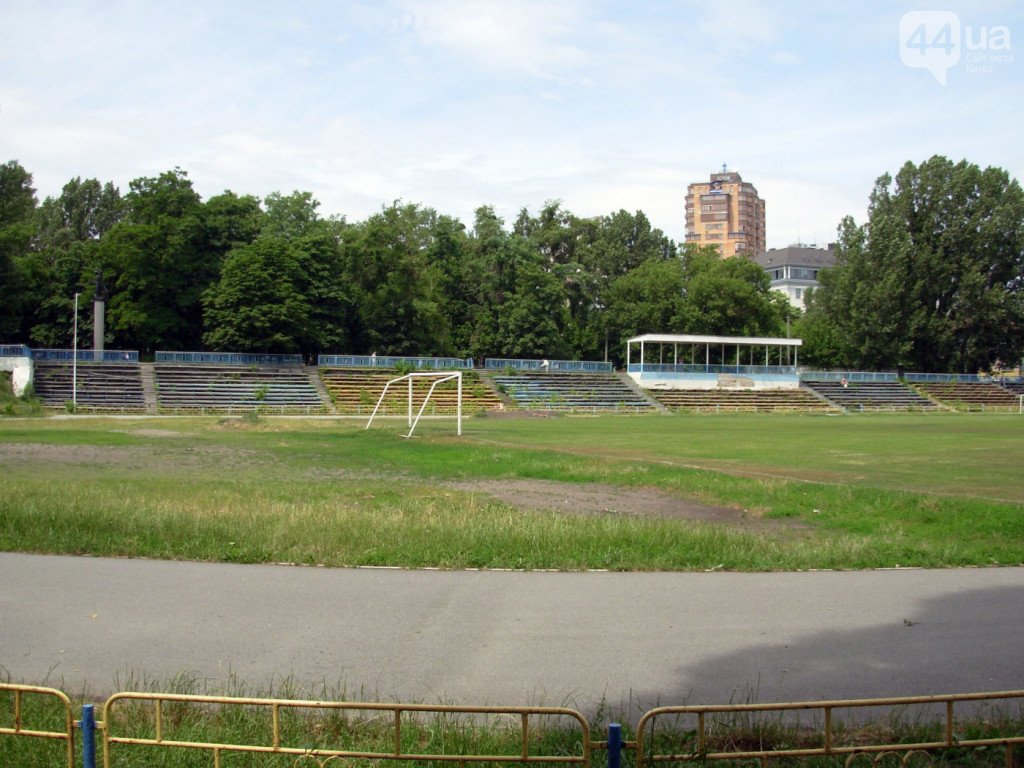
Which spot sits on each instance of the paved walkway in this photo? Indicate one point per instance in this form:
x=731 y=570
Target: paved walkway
x=630 y=639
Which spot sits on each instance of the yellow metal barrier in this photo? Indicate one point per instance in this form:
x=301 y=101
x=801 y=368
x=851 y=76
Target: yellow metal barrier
x=17 y=727
x=398 y=715
x=705 y=747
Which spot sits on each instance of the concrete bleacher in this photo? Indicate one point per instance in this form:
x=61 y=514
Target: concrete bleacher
x=1015 y=387
x=872 y=395
x=757 y=400
x=357 y=390
x=101 y=387
x=205 y=388
x=597 y=392
x=970 y=395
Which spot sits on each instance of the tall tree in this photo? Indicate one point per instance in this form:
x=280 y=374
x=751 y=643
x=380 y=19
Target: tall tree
x=17 y=207
x=935 y=280
x=65 y=257
x=159 y=262
x=397 y=289
x=257 y=304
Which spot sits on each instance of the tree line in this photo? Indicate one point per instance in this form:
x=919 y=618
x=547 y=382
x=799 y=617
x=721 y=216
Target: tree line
x=934 y=280
x=238 y=273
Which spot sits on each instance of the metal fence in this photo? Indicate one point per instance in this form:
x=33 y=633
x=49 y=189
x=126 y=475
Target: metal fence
x=17 y=722
x=388 y=361
x=694 y=734
x=88 y=355
x=850 y=376
x=946 y=378
x=561 y=366
x=15 y=350
x=741 y=370
x=702 y=742
x=227 y=358
x=400 y=746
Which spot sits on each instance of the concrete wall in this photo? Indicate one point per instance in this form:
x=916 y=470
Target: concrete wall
x=736 y=381
x=21 y=372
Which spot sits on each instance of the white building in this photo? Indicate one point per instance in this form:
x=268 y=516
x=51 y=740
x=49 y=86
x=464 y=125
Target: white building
x=795 y=268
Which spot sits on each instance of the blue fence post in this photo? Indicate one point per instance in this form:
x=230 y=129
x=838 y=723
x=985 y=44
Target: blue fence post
x=88 y=736
x=614 y=745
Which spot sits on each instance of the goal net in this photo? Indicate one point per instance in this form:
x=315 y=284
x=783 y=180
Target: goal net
x=438 y=378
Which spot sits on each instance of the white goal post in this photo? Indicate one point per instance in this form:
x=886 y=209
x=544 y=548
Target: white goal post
x=439 y=378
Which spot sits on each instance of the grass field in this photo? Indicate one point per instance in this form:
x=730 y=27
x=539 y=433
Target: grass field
x=785 y=492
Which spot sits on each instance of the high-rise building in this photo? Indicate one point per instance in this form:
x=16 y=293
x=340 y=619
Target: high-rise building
x=725 y=212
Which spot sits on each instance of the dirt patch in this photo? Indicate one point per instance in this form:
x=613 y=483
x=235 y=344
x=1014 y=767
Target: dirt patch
x=137 y=458
x=598 y=499
x=154 y=432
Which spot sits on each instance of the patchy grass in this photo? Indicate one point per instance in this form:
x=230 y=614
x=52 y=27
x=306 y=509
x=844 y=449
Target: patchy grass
x=817 y=492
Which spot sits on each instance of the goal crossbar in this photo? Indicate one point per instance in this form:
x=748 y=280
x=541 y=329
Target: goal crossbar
x=439 y=378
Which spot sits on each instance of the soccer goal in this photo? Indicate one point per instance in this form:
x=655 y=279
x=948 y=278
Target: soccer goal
x=439 y=378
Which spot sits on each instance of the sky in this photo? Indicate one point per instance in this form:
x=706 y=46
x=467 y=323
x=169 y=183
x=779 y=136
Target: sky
x=457 y=104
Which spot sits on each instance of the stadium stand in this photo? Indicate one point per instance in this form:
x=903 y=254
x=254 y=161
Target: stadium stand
x=204 y=388
x=1016 y=387
x=872 y=395
x=102 y=387
x=969 y=395
x=578 y=392
x=357 y=390
x=705 y=400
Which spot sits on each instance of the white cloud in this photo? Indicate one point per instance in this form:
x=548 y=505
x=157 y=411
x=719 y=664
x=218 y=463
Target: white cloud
x=534 y=38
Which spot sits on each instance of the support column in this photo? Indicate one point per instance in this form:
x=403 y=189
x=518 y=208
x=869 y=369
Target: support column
x=99 y=311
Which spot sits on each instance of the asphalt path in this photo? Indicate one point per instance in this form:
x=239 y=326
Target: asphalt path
x=625 y=640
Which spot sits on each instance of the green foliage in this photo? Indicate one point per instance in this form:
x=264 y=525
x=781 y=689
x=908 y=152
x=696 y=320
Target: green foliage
x=17 y=205
x=397 y=291
x=160 y=266
x=934 y=281
x=404 y=368
x=257 y=306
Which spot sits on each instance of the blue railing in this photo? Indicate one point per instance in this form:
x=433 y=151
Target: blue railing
x=680 y=368
x=88 y=355
x=15 y=350
x=850 y=376
x=227 y=358
x=388 y=361
x=946 y=378
x=562 y=366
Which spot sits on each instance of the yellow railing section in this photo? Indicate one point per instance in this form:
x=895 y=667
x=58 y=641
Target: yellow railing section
x=15 y=696
x=847 y=730
x=166 y=711
x=702 y=744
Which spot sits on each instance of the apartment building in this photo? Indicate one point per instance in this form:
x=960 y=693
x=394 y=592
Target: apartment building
x=725 y=212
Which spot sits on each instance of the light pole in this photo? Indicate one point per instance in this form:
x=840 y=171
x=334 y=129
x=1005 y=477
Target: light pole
x=74 y=362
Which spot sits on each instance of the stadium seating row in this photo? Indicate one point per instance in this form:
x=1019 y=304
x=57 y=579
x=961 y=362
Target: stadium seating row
x=231 y=388
x=875 y=395
x=593 y=392
x=94 y=387
x=970 y=394
x=357 y=390
x=184 y=388
x=742 y=400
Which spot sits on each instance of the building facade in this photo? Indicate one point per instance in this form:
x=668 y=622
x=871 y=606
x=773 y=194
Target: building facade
x=795 y=268
x=725 y=212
